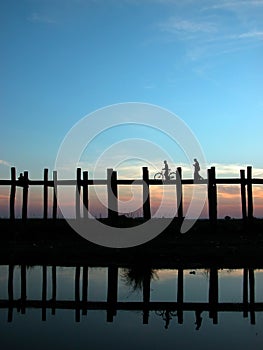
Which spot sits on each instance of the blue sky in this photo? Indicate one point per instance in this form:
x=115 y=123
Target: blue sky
x=61 y=60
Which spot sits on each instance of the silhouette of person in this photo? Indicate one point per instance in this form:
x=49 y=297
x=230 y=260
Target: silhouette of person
x=167 y=318
x=196 y=165
x=166 y=170
x=198 y=319
x=21 y=180
x=21 y=177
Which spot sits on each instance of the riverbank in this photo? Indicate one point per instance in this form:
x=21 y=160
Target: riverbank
x=54 y=242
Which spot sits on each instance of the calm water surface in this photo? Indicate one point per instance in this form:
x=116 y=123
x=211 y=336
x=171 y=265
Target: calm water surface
x=210 y=312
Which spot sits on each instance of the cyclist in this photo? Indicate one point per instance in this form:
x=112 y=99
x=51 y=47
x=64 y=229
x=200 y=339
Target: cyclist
x=166 y=174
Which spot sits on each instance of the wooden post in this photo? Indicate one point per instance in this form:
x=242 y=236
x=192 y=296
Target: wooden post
x=54 y=288
x=146 y=194
x=55 y=194
x=213 y=170
x=209 y=193
x=78 y=189
x=252 y=295
x=180 y=295
x=84 y=289
x=112 y=293
x=243 y=195
x=249 y=193
x=213 y=294
x=12 y=194
x=23 y=288
x=10 y=292
x=179 y=192
x=212 y=196
x=10 y=283
x=112 y=189
x=44 y=292
x=146 y=295
x=25 y=197
x=45 y=194
x=245 y=292
x=77 y=295
x=85 y=195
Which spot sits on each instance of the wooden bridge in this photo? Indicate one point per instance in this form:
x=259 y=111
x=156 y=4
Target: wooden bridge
x=82 y=183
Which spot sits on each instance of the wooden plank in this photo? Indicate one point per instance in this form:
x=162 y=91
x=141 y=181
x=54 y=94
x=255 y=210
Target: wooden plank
x=153 y=305
x=221 y=181
x=257 y=181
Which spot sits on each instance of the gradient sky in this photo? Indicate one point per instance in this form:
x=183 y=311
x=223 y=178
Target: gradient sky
x=63 y=59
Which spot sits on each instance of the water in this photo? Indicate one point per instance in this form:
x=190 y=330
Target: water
x=210 y=311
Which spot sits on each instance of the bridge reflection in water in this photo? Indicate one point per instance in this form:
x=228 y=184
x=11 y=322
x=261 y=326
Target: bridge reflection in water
x=137 y=277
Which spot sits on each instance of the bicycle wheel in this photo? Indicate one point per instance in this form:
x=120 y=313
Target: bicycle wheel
x=172 y=175
x=158 y=176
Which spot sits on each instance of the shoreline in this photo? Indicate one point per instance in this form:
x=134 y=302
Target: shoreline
x=50 y=242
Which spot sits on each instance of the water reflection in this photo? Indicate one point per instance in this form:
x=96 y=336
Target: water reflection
x=166 y=315
x=143 y=279
x=129 y=307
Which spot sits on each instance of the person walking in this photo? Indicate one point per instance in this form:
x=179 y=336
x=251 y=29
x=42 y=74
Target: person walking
x=196 y=166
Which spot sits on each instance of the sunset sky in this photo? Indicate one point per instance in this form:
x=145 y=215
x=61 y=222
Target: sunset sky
x=62 y=60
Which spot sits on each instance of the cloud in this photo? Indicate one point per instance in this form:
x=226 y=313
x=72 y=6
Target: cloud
x=235 y=4
x=228 y=191
x=251 y=35
x=183 y=26
x=233 y=170
x=4 y=197
x=4 y=162
x=207 y=31
x=150 y=2
x=37 y=18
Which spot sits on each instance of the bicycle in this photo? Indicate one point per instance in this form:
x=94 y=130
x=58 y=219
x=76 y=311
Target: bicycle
x=160 y=175
x=166 y=315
